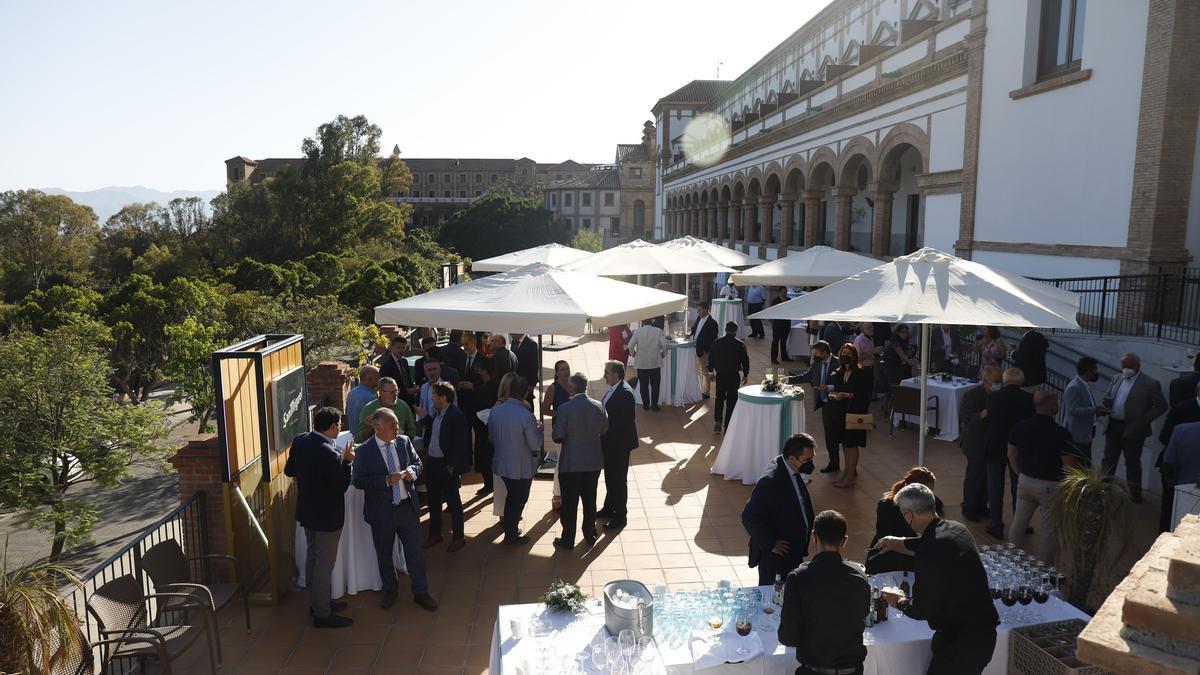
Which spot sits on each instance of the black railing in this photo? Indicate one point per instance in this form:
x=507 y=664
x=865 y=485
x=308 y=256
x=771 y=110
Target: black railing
x=187 y=524
x=1164 y=305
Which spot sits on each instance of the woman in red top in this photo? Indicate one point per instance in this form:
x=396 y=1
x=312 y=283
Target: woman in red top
x=618 y=340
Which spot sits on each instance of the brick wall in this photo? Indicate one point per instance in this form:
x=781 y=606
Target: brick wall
x=329 y=384
x=200 y=464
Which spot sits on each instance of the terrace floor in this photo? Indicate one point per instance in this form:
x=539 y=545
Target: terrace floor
x=684 y=530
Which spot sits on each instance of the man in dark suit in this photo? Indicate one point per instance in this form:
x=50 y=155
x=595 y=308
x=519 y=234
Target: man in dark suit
x=484 y=397
x=780 y=329
x=448 y=444
x=704 y=332
x=945 y=349
x=579 y=425
x=1133 y=402
x=818 y=376
x=452 y=352
x=386 y=467
x=973 y=416
x=504 y=359
x=1005 y=408
x=529 y=364
x=617 y=443
x=731 y=364
x=1181 y=388
x=428 y=348
x=1184 y=412
x=322 y=474
x=395 y=366
x=832 y=334
x=779 y=513
x=1030 y=357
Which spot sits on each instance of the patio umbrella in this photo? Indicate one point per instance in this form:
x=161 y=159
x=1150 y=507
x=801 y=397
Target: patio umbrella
x=642 y=257
x=928 y=287
x=719 y=254
x=815 y=266
x=554 y=255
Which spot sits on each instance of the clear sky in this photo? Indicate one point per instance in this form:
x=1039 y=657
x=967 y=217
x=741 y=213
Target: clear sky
x=159 y=93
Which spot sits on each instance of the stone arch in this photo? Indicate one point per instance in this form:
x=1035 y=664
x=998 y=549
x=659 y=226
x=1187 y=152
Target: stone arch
x=822 y=165
x=903 y=134
x=858 y=151
x=755 y=176
x=795 y=162
x=773 y=168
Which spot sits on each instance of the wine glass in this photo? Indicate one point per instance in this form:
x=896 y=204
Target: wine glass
x=599 y=653
x=627 y=643
x=743 y=626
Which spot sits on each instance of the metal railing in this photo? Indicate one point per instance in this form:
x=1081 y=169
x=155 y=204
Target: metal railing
x=1164 y=305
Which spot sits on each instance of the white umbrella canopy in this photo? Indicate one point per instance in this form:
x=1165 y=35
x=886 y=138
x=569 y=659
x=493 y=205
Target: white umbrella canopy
x=719 y=254
x=814 y=266
x=536 y=299
x=643 y=257
x=554 y=255
x=928 y=287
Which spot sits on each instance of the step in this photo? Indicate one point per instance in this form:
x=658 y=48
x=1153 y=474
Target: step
x=1183 y=572
x=1153 y=619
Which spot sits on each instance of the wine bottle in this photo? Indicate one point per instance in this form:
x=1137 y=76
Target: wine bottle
x=778 y=590
x=904 y=585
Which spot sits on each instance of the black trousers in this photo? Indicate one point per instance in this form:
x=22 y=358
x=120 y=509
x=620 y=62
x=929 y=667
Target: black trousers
x=483 y=456
x=726 y=399
x=514 y=505
x=442 y=488
x=403 y=523
x=829 y=425
x=779 y=340
x=805 y=670
x=577 y=486
x=756 y=327
x=770 y=565
x=648 y=382
x=996 y=469
x=1167 y=505
x=1117 y=446
x=962 y=652
x=616 y=483
x=975 y=493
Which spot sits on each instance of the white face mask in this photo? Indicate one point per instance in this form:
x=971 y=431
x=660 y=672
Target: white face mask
x=995 y=386
x=1128 y=373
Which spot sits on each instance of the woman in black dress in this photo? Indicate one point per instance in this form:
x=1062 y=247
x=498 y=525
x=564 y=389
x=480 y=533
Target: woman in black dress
x=889 y=522
x=899 y=360
x=850 y=387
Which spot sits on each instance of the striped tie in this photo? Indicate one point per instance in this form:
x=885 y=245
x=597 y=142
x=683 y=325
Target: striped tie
x=391 y=465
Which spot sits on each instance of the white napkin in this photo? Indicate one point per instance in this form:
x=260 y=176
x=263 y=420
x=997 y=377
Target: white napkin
x=710 y=651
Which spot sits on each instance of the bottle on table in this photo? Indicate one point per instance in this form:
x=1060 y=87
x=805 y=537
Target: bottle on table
x=904 y=585
x=777 y=598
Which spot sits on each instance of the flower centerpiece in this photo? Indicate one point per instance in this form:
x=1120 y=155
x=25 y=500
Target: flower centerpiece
x=563 y=597
x=770 y=384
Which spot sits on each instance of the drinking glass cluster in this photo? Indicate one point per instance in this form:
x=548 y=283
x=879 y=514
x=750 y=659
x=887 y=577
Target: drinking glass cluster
x=678 y=613
x=1017 y=579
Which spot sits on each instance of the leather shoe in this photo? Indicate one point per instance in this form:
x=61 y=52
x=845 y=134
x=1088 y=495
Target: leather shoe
x=559 y=543
x=615 y=524
x=717 y=428
x=426 y=601
x=656 y=408
x=517 y=542
x=999 y=534
x=483 y=491
x=590 y=541
x=388 y=599
x=431 y=542
x=831 y=468
x=332 y=621
x=604 y=513
x=456 y=545
x=334 y=606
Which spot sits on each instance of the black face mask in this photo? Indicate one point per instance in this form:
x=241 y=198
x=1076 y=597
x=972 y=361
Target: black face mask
x=846 y=360
x=806 y=467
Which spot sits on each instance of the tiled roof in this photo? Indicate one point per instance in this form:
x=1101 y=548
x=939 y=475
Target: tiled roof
x=272 y=165
x=606 y=179
x=696 y=91
x=569 y=165
x=632 y=152
x=459 y=164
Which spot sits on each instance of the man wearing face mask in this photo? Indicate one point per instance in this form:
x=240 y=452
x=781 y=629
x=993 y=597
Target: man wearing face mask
x=973 y=416
x=1134 y=401
x=1082 y=407
x=779 y=513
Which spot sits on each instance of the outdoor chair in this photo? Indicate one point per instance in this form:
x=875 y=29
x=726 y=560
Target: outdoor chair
x=120 y=610
x=892 y=376
x=84 y=663
x=907 y=401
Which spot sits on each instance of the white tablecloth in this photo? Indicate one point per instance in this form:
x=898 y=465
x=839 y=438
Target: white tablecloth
x=899 y=646
x=761 y=422
x=680 y=383
x=726 y=310
x=950 y=396
x=797 y=343
x=355 y=569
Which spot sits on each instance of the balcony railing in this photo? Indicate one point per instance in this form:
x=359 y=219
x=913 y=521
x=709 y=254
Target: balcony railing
x=1164 y=305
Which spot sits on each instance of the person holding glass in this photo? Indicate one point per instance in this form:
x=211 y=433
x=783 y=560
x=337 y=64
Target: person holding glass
x=558 y=394
x=898 y=358
x=889 y=522
x=850 y=389
x=824 y=603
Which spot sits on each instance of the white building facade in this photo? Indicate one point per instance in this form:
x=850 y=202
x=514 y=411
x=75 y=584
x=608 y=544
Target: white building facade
x=1053 y=138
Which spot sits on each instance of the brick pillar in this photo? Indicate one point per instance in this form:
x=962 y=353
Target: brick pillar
x=747 y=225
x=844 y=197
x=200 y=464
x=735 y=212
x=766 y=213
x=329 y=384
x=722 y=222
x=812 y=216
x=788 y=202
x=713 y=223
x=704 y=222
x=881 y=227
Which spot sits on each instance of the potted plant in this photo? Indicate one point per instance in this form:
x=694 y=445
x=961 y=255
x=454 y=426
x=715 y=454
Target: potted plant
x=1090 y=512
x=37 y=626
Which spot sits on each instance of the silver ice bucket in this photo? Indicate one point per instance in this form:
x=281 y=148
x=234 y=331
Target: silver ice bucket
x=639 y=619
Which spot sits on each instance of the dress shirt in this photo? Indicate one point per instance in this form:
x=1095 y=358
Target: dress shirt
x=824 y=395
x=866 y=350
x=1123 y=389
x=391 y=458
x=608 y=394
x=756 y=295
x=948 y=342
x=796 y=477
x=358 y=399
x=435 y=448
x=701 y=322
x=470 y=364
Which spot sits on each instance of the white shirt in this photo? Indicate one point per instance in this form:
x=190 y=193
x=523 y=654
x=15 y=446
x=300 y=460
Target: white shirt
x=728 y=291
x=608 y=394
x=701 y=322
x=1123 y=389
x=648 y=345
x=386 y=449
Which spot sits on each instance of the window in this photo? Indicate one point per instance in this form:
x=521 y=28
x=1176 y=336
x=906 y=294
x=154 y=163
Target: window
x=608 y=199
x=614 y=227
x=639 y=215
x=478 y=193
x=445 y=178
x=462 y=194
x=478 y=178
x=558 y=177
x=635 y=172
x=493 y=178
x=1060 y=44
x=462 y=177
x=432 y=194
x=567 y=199
x=416 y=178
x=587 y=223
x=569 y=222
x=553 y=200
x=585 y=199
x=446 y=194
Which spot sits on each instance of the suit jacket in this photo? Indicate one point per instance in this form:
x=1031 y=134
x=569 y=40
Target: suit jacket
x=454 y=355
x=622 y=435
x=505 y=362
x=1144 y=404
x=813 y=376
x=706 y=336
x=728 y=357
x=1030 y=357
x=1182 y=388
x=515 y=438
x=371 y=473
x=780 y=326
x=399 y=371
x=1005 y=408
x=579 y=425
x=973 y=428
x=831 y=332
x=1180 y=413
x=321 y=481
x=772 y=512
x=454 y=438
x=528 y=367
x=1080 y=404
x=937 y=347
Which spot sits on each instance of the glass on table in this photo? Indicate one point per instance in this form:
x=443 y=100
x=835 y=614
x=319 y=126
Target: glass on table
x=599 y=653
x=627 y=642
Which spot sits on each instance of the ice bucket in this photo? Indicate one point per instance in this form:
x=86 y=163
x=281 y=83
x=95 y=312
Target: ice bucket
x=618 y=616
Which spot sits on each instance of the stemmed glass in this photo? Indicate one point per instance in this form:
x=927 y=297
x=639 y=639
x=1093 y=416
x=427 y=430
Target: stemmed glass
x=627 y=643
x=599 y=653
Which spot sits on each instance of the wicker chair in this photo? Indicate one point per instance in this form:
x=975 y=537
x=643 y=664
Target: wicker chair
x=907 y=401
x=170 y=570
x=84 y=662
x=120 y=610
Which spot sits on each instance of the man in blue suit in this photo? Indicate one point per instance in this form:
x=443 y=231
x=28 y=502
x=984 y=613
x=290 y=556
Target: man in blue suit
x=447 y=441
x=617 y=443
x=779 y=514
x=386 y=467
x=1082 y=407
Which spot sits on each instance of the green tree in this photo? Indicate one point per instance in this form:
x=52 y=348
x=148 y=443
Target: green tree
x=345 y=139
x=495 y=225
x=54 y=307
x=371 y=287
x=42 y=236
x=329 y=270
x=587 y=240
x=252 y=275
x=65 y=429
x=189 y=367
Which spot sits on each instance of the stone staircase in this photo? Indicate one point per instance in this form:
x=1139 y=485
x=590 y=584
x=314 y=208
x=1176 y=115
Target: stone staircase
x=1150 y=625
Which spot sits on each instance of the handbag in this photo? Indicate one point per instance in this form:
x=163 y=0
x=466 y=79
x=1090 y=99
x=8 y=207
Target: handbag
x=860 y=422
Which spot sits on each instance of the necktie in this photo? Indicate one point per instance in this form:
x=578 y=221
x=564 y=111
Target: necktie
x=470 y=360
x=389 y=457
x=824 y=379
x=803 y=506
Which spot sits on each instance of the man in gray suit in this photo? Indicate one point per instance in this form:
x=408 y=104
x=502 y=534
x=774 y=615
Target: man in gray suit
x=1082 y=407
x=1133 y=402
x=973 y=419
x=578 y=426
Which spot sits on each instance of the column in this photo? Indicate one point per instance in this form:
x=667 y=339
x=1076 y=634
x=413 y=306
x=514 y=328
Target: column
x=747 y=225
x=735 y=213
x=722 y=222
x=843 y=197
x=812 y=214
x=694 y=228
x=881 y=225
x=713 y=222
x=766 y=211
x=788 y=202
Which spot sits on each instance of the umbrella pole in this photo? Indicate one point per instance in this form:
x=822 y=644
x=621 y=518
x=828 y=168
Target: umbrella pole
x=924 y=392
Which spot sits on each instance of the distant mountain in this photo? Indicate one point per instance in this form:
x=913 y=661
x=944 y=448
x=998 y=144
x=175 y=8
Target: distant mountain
x=108 y=200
